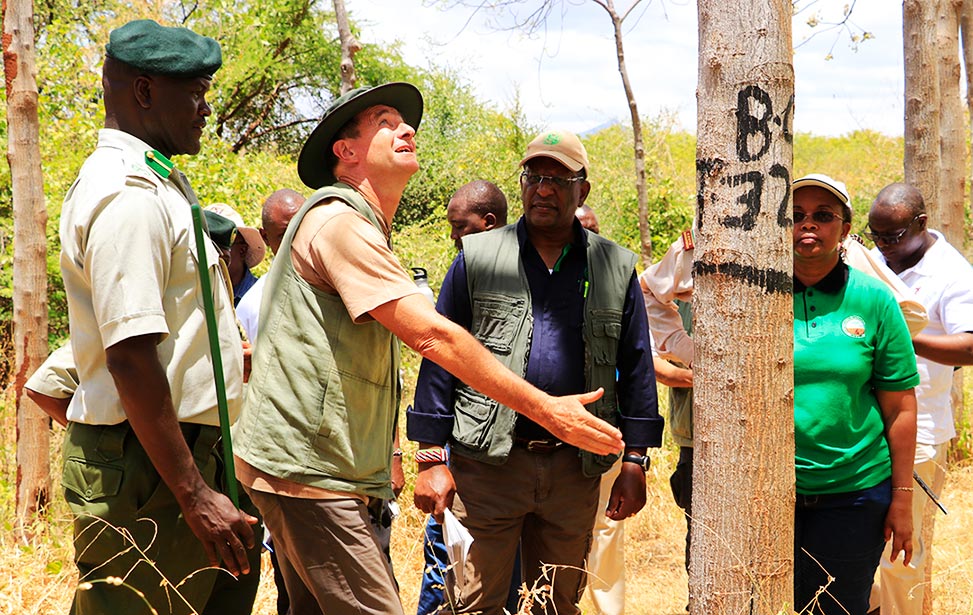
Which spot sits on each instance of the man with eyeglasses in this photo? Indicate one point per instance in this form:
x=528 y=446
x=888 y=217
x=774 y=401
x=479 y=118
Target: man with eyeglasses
x=562 y=307
x=942 y=279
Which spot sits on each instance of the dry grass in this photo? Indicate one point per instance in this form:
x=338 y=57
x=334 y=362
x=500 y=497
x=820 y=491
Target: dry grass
x=38 y=577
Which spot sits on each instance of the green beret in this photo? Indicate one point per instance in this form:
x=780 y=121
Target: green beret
x=221 y=230
x=159 y=50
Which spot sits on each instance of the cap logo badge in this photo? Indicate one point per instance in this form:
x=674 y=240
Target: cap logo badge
x=854 y=326
x=552 y=139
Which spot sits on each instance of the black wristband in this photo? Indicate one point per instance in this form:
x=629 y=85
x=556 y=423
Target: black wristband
x=641 y=460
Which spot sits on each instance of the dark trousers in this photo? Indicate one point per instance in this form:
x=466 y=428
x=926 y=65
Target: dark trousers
x=841 y=535
x=681 y=484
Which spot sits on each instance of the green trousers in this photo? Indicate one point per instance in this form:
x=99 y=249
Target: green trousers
x=128 y=526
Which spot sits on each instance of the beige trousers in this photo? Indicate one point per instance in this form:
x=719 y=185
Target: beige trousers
x=902 y=588
x=606 y=561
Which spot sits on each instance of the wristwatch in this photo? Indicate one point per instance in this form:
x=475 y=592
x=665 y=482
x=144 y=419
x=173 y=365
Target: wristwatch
x=642 y=460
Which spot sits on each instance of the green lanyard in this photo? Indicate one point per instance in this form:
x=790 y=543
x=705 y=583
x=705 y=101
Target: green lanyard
x=164 y=168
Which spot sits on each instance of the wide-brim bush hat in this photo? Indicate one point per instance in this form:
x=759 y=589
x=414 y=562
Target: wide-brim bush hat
x=315 y=165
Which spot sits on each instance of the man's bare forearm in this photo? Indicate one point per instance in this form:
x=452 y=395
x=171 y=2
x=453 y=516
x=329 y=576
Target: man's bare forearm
x=144 y=391
x=955 y=349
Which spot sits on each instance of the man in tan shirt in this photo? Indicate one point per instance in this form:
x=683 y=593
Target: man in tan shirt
x=313 y=493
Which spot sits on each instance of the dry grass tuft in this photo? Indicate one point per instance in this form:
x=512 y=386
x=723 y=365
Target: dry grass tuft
x=37 y=576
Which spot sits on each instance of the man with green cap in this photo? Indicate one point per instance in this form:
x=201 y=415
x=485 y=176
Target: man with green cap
x=327 y=384
x=141 y=462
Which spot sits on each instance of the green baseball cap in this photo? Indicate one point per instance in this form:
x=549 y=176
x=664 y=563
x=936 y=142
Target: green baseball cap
x=315 y=165
x=159 y=50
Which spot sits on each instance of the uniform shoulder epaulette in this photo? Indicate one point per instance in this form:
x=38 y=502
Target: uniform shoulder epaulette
x=159 y=164
x=687 y=240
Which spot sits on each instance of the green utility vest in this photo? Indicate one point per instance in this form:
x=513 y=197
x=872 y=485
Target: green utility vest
x=324 y=394
x=681 y=399
x=483 y=429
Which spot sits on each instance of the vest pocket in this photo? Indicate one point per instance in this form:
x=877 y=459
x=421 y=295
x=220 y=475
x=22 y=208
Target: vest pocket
x=606 y=330
x=474 y=418
x=496 y=319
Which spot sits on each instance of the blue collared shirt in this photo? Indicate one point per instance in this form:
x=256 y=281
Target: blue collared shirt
x=556 y=361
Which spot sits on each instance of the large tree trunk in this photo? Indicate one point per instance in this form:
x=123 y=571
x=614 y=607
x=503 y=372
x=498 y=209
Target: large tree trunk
x=349 y=47
x=30 y=255
x=935 y=148
x=949 y=213
x=966 y=38
x=923 y=156
x=742 y=557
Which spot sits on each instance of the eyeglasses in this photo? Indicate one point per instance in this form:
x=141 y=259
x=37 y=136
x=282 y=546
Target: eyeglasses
x=533 y=179
x=890 y=239
x=821 y=217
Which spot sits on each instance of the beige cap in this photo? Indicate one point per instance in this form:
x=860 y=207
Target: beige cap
x=255 y=243
x=820 y=180
x=563 y=146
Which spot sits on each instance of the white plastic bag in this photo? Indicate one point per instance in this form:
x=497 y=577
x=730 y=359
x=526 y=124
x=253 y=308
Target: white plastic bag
x=458 y=541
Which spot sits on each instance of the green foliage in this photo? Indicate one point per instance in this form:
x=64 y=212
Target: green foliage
x=281 y=66
x=865 y=160
x=460 y=139
x=670 y=190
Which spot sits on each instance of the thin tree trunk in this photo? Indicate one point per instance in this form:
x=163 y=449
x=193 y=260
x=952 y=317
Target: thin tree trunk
x=645 y=230
x=349 y=47
x=742 y=557
x=30 y=256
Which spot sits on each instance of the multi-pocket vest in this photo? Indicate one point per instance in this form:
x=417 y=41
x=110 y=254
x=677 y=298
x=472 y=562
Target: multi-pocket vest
x=502 y=321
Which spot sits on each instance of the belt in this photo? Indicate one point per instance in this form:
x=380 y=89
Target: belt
x=538 y=446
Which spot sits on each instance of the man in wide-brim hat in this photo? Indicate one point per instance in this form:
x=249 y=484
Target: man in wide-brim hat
x=314 y=444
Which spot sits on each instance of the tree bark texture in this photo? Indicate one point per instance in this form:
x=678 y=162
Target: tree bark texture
x=645 y=230
x=742 y=558
x=923 y=155
x=949 y=213
x=30 y=255
x=935 y=146
x=966 y=39
x=349 y=47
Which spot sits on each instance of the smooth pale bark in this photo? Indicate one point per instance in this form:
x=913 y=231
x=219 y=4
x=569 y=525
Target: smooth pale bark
x=30 y=256
x=948 y=212
x=935 y=144
x=645 y=231
x=966 y=39
x=349 y=47
x=742 y=558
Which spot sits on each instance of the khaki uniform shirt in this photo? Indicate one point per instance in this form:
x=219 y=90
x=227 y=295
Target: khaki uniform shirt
x=57 y=376
x=130 y=267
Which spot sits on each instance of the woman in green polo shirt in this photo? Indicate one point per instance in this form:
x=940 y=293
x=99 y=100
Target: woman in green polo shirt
x=854 y=412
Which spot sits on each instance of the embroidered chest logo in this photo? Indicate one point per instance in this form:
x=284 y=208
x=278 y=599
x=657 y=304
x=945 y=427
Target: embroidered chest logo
x=853 y=326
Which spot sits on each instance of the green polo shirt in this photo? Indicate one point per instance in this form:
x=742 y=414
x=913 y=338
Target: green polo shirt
x=849 y=339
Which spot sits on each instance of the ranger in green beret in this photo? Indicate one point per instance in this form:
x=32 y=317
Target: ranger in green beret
x=140 y=457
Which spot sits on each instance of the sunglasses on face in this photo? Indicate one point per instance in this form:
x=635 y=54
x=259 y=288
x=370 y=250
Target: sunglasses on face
x=890 y=238
x=821 y=217
x=533 y=179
